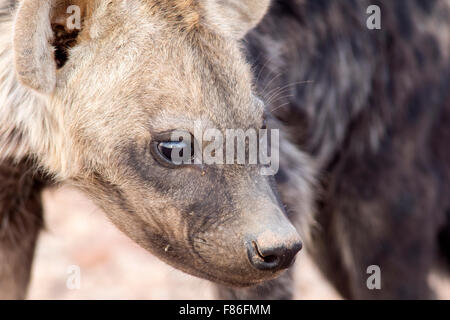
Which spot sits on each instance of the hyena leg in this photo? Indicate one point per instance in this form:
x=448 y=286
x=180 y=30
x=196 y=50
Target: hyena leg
x=348 y=263
x=387 y=223
x=278 y=289
x=20 y=222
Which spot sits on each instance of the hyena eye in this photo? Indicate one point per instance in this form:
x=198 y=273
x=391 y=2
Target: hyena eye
x=170 y=150
x=173 y=153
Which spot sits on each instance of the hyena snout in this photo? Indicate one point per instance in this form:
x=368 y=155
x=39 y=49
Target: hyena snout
x=275 y=247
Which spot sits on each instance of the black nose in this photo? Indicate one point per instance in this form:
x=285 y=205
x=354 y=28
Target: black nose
x=275 y=257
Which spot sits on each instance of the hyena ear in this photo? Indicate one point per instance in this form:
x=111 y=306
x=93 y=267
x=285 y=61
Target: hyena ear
x=43 y=32
x=235 y=17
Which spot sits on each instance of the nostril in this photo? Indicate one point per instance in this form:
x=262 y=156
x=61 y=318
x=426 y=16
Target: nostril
x=266 y=258
x=270 y=259
x=273 y=258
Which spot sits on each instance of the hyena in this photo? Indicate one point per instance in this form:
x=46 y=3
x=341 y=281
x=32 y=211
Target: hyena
x=94 y=106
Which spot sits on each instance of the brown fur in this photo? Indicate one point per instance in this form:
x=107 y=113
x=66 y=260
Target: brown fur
x=20 y=223
x=372 y=108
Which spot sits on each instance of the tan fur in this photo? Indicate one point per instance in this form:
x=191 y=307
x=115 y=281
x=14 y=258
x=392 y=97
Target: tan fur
x=34 y=58
x=99 y=25
x=244 y=14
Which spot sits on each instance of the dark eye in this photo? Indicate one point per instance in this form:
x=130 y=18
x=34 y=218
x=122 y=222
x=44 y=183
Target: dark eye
x=166 y=149
x=173 y=153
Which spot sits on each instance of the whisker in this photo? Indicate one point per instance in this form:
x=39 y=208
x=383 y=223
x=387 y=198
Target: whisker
x=283 y=51
x=263 y=67
x=280 y=98
x=279 y=107
x=270 y=82
x=276 y=94
x=270 y=94
x=297 y=83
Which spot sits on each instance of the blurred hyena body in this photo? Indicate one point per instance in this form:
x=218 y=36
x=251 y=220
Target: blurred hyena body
x=371 y=107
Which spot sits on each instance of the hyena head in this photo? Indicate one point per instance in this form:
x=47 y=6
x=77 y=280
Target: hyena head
x=117 y=87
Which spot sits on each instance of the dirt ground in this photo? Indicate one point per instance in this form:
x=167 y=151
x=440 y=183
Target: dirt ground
x=113 y=267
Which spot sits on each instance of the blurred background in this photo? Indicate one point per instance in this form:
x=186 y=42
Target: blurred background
x=113 y=267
